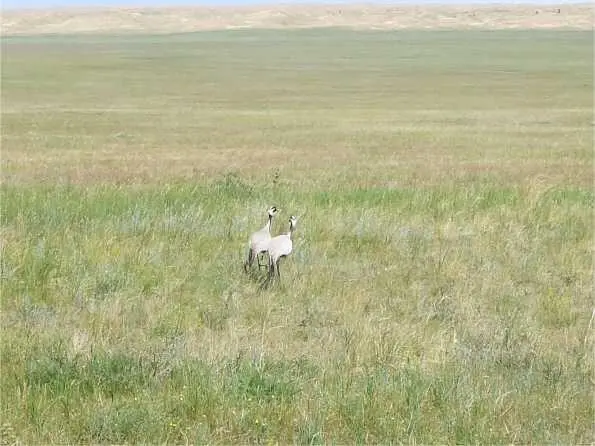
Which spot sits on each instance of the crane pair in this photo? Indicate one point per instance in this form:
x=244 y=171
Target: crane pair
x=276 y=247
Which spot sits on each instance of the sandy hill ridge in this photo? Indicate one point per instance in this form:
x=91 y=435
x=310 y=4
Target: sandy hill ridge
x=188 y=19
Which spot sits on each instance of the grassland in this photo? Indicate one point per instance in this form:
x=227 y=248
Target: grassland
x=441 y=285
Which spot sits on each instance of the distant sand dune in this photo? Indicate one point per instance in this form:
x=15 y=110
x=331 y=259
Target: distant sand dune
x=188 y=19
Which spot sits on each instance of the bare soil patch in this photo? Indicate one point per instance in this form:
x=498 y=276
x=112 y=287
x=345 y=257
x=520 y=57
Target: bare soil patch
x=189 y=19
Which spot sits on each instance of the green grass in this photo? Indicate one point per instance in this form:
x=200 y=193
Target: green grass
x=440 y=290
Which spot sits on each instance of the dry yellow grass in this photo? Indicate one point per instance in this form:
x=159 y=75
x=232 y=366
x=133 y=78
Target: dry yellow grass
x=189 y=19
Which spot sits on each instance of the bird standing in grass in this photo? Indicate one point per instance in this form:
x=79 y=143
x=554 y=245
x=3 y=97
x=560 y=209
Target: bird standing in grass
x=259 y=241
x=279 y=247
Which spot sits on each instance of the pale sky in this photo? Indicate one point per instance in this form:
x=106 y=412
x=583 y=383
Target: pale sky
x=12 y=4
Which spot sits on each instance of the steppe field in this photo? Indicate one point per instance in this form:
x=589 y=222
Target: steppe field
x=440 y=288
